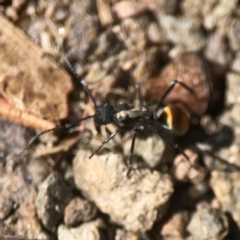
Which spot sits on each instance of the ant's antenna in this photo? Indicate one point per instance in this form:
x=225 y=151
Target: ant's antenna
x=70 y=67
x=66 y=126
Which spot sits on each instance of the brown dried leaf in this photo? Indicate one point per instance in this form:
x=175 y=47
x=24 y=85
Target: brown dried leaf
x=190 y=69
x=29 y=81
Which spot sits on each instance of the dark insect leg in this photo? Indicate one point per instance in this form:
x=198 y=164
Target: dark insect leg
x=106 y=141
x=138 y=96
x=169 y=89
x=178 y=148
x=132 y=149
x=129 y=162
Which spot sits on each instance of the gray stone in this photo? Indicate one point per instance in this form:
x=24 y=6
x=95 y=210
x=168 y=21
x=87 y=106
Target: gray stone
x=208 y=224
x=134 y=202
x=52 y=198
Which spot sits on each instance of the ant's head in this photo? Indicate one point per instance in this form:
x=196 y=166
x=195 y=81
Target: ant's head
x=104 y=114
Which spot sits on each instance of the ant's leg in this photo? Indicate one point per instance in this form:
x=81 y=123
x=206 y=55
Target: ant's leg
x=106 y=141
x=84 y=84
x=178 y=148
x=129 y=163
x=138 y=96
x=169 y=89
x=132 y=148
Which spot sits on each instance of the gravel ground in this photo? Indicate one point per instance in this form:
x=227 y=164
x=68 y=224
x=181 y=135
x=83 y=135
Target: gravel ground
x=51 y=189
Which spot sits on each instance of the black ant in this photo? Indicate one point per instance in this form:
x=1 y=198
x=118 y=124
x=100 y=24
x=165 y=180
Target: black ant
x=171 y=119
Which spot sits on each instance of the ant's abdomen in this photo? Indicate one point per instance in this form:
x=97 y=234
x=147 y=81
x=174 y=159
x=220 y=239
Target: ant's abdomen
x=175 y=118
